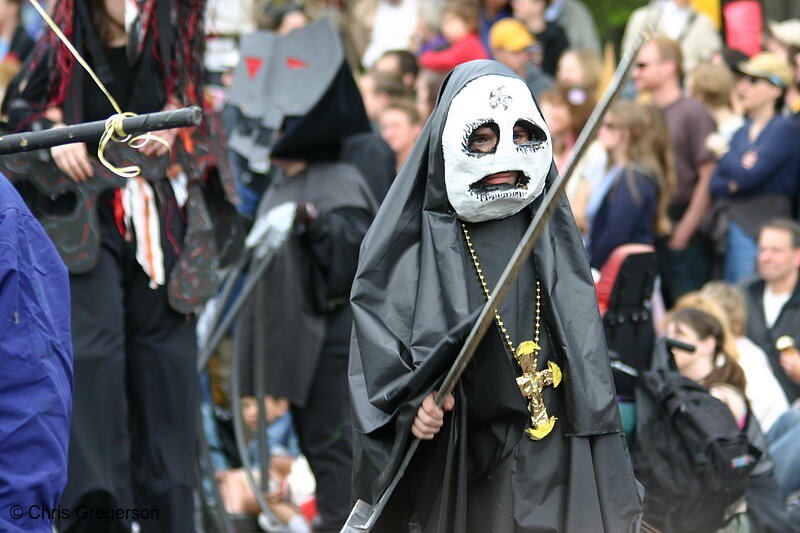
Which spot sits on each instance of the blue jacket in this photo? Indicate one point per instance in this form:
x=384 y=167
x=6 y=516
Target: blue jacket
x=36 y=363
x=624 y=216
x=777 y=165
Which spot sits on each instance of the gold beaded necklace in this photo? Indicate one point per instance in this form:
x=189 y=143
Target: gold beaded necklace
x=532 y=381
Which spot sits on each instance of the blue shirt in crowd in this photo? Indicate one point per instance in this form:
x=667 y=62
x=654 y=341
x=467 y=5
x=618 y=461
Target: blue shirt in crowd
x=626 y=215
x=776 y=168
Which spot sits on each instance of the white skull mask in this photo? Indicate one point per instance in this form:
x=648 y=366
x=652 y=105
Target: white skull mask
x=494 y=184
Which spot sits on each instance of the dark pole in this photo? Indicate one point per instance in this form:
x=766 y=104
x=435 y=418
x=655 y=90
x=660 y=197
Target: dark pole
x=92 y=131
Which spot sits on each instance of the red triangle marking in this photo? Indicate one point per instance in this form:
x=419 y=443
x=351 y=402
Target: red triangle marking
x=253 y=64
x=294 y=63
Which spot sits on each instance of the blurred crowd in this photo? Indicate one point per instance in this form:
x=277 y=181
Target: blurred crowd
x=699 y=162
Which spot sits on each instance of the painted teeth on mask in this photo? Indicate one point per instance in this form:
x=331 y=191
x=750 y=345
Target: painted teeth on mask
x=509 y=193
x=479 y=189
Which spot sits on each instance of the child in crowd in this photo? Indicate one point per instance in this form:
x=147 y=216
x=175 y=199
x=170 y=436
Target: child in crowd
x=290 y=478
x=460 y=27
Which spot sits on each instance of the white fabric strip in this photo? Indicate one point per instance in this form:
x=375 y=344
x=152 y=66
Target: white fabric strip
x=138 y=201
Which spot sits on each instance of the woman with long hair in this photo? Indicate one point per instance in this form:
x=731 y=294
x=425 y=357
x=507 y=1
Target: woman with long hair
x=628 y=203
x=712 y=364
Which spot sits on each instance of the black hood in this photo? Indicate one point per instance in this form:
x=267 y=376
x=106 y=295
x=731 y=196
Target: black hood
x=318 y=135
x=410 y=300
x=295 y=95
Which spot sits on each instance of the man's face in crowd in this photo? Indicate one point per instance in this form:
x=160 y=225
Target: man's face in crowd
x=648 y=71
x=516 y=61
x=398 y=131
x=777 y=257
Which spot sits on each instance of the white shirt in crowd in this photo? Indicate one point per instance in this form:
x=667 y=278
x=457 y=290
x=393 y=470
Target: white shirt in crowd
x=394 y=23
x=766 y=396
x=773 y=304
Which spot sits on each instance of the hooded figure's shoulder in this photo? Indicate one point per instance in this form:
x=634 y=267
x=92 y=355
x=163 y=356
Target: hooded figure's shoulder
x=344 y=180
x=337 y=170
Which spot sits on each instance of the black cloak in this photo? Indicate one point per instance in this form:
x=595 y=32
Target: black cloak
x=298 y=312
x=414 y=299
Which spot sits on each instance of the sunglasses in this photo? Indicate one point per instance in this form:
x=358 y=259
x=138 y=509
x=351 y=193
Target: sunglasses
x=769 y=79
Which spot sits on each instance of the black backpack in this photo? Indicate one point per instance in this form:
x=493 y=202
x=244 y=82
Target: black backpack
x=689 y=453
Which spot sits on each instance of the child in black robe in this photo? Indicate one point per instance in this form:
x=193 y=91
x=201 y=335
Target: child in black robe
x=499 y=460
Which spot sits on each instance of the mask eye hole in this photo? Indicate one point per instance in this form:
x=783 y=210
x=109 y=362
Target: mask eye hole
x=482 y=139
x=528 y=135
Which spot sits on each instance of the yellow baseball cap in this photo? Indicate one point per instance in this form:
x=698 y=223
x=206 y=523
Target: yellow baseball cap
x=769 y=67
x=510 y=34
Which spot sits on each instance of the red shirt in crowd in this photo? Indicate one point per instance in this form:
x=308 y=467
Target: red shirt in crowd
x=465 y=49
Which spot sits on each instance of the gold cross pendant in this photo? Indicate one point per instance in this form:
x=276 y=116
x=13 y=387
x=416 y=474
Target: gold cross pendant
x=531 y=383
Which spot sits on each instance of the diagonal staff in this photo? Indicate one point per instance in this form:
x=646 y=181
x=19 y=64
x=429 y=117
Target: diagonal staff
x=364 y=516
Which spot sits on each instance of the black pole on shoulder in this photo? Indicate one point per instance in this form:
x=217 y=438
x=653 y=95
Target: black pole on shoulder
x=92 y=131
